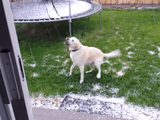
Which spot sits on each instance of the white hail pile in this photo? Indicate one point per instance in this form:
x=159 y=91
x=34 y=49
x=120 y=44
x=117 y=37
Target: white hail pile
x=128 y=111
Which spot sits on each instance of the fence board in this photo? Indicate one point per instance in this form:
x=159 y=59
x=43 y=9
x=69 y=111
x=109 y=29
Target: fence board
x=120 y=1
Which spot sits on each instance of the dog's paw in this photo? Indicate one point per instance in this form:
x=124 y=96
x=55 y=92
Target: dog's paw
x=70 y=74
x=98 y=76
x=81 y=81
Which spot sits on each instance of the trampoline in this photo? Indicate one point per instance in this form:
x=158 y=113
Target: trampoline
x=36 y=11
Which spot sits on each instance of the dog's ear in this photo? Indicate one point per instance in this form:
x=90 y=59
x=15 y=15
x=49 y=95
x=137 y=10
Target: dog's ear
x=75 y=44
x=78 y=45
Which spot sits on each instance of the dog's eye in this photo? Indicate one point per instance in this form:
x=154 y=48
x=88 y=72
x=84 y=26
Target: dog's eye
x=72 y=40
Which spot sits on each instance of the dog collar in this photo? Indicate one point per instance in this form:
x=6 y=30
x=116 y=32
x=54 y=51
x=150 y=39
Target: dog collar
x=75 y=50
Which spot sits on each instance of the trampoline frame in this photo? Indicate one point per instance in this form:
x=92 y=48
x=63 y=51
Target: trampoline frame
x=96 y=8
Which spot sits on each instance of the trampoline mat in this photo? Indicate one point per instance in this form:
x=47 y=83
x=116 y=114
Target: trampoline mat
x=77 y=7
x=40 y=9
x=29 y=10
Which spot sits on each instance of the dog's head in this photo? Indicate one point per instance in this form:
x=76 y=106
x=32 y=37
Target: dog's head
x=73 y=43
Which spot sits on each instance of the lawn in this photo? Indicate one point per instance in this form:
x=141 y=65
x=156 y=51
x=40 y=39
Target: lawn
x=135 y=75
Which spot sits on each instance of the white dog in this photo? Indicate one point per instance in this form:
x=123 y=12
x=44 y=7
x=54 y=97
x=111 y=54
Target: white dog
x=82 y=55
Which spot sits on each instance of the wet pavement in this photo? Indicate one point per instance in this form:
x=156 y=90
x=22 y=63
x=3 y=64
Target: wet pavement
x=52 y=114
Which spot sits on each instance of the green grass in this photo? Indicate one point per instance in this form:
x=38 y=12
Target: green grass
x=131 y=31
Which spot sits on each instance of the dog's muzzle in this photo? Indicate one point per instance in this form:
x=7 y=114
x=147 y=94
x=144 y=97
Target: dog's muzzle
x=66 y=43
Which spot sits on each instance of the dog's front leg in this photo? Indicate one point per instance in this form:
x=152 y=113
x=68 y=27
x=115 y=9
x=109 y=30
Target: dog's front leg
x=82 y=73
x=71 y=69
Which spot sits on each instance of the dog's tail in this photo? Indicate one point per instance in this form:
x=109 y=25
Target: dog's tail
x=115 y=53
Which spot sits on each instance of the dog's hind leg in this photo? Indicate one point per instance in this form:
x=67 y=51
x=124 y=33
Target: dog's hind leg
x=82 y=73
x=92 y=68
x=98 y=63
x=71 y=69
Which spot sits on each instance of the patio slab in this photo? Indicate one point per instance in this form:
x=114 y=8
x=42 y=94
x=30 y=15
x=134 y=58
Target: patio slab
x=52 y=114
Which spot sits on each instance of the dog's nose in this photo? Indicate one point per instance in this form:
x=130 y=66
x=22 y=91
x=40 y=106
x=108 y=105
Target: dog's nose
x=67 y=38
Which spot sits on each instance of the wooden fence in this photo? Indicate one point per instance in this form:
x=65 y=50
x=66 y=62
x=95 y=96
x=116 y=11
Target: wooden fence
x=121 y=1
x=128 y=1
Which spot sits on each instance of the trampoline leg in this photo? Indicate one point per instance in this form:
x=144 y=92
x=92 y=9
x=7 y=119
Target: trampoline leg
x=100 y=20
x=70 y=20
x=48 y=31
x=70 y=29
x=100 y=16
x=88 y=18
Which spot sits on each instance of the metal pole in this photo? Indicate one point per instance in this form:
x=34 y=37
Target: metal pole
x=100 y=16
x=100 y=20
x=88 y=18
x=70 y=20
